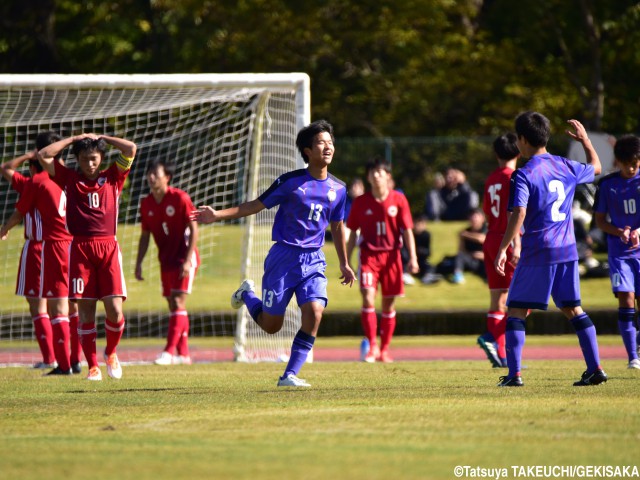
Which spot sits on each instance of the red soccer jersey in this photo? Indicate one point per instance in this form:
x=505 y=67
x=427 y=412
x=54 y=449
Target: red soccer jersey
x=48 y=203
x=19 y=183
x=496 y=199
x=380 y=223
x=168 y=222
x=92 y=205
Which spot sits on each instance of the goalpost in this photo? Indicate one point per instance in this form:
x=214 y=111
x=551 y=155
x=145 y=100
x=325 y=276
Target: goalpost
x=230 y=136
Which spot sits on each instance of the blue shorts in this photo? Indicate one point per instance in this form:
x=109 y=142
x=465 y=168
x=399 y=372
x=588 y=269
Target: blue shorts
x=289 y=270
x=624 y=274
x=531 y=286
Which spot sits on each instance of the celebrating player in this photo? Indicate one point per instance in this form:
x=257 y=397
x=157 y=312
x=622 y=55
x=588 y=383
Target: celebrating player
x=95 y=261
x=494 y=204
x=541 y=200
x=617 y=215
x=383 y=218
x=309 y=200
x=165 y=214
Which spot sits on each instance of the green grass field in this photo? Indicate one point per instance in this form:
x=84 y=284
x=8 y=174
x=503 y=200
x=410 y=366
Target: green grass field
x=409 y=420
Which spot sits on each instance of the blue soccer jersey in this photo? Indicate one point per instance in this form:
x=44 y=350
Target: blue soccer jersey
x=620 y=198
x=545 y=186
x=306 y=207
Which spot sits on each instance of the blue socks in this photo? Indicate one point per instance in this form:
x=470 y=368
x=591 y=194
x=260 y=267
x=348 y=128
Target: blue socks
x=588 y=341
x=628 y=332
x=253 y=303
x=514 y=340
x=302 y=345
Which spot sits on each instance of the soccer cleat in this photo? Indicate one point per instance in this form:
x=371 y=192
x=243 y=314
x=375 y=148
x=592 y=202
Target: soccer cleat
x=292 y=381
x=182 y=360
x=165 y=358
x=59 y=371
x=431 y=278
x=506 y=381
x=45 y=366
x=457 y=278
x=490 y=351
x=76 y=367
x=594 y=378
x=373 y=355
x=408 y=279
x=634 y=364
x=385 y=357
x=114 y=369
x=94 y=374
x=236 y=297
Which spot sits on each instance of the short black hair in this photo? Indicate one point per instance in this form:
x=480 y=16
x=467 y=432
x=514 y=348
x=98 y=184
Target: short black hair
x=534 y=127
x=44 y=139
x=627 y=149
x=376 y=163
x=307 y=134
x=505 y=146
x=90 y=145
x=160 y=162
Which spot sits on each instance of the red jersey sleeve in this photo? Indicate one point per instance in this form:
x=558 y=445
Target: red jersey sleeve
x=406 y=219
x=27 y=198
x=18 y=182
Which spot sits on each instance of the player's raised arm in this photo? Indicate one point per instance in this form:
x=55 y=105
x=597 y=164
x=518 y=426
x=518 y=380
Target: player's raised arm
x=48 y=154
x=580 y=135
x=127 y=151
x=206 y=214
x=9 y=168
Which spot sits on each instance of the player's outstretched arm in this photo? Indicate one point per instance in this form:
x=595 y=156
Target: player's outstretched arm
x=206 y=214
x=143 y=246
x=337 y=232
x=580 y=135
x=14 y=219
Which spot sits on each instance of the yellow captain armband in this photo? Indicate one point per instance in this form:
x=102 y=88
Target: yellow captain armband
x=124 y=162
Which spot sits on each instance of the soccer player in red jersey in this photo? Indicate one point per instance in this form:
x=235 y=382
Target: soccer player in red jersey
x=95 y=260
x=165 y=215
x=384 y=220
x=28 y=281
x=494 y=204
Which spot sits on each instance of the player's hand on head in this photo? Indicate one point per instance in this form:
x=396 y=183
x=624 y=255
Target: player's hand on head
x=204 y=214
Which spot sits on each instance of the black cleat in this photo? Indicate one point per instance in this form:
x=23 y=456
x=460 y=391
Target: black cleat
x=76 y=367
x=594 y=378
x=59 y=371
x=511 y=381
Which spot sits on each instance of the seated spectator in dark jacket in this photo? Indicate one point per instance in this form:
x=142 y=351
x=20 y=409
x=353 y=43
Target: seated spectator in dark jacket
x=452 y=201
x=470 y=255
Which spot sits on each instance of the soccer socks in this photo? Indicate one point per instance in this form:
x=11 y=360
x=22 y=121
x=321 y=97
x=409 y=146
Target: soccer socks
x=387 y=327
x=369 y=321
x=514 y=341
x=628 y=332
x=113 y=332
x=174 y=332
x=302 y=345
x=496 y=326
x=76 y=347
x=183 y=340
x=44 y=335
x=60 y=327
x=88 y=335
x=253 y=304
x=588 y=341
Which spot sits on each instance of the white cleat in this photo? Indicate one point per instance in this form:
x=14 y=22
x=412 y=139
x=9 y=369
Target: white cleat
x=181 y=360
x=634 y=364
x=95 y=374
x=236 y=298
x=292 y=381
x=114 y=369
x=165 y=358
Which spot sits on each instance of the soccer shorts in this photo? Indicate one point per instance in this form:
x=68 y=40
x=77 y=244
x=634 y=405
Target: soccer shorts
x=383 y=268
x=28 y=281
x=289 y=270
x=624 y=274
x=532 y=285
x=95 y=269
x=490 y=248
x=55 y=269
x=172 y=282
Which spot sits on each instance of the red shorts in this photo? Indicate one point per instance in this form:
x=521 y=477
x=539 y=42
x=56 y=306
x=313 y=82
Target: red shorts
x=173 y=283
x=95 y=269
x=55 y=269
x=28 y=282
x=384 y=268
x=490 y=248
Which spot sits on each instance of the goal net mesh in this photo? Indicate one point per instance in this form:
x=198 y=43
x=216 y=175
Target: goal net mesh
x=228 y=144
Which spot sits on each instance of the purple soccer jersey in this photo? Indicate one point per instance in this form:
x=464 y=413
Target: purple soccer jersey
x=307 y=206
x=620 y=198
x=545 y=186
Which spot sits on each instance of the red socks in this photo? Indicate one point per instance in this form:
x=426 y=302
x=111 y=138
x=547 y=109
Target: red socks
x=113 y=332
x=369 y=324
x=387 y=327
x=60 y=327
x=178 y=333
x=496 y=326
x=44 y=335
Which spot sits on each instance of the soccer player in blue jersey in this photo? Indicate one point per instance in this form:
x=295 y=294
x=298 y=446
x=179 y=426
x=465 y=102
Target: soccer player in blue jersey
x=541 y=196
x=617 y=214
x=310 y=199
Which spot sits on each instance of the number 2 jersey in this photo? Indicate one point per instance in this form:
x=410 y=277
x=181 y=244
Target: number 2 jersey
x=92 y=205
x=619 y=197
x=380 y=223
x=306 y=207
x=545 y=186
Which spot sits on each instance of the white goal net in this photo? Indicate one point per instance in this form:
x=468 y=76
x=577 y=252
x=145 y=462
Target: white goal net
x=229 y=135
